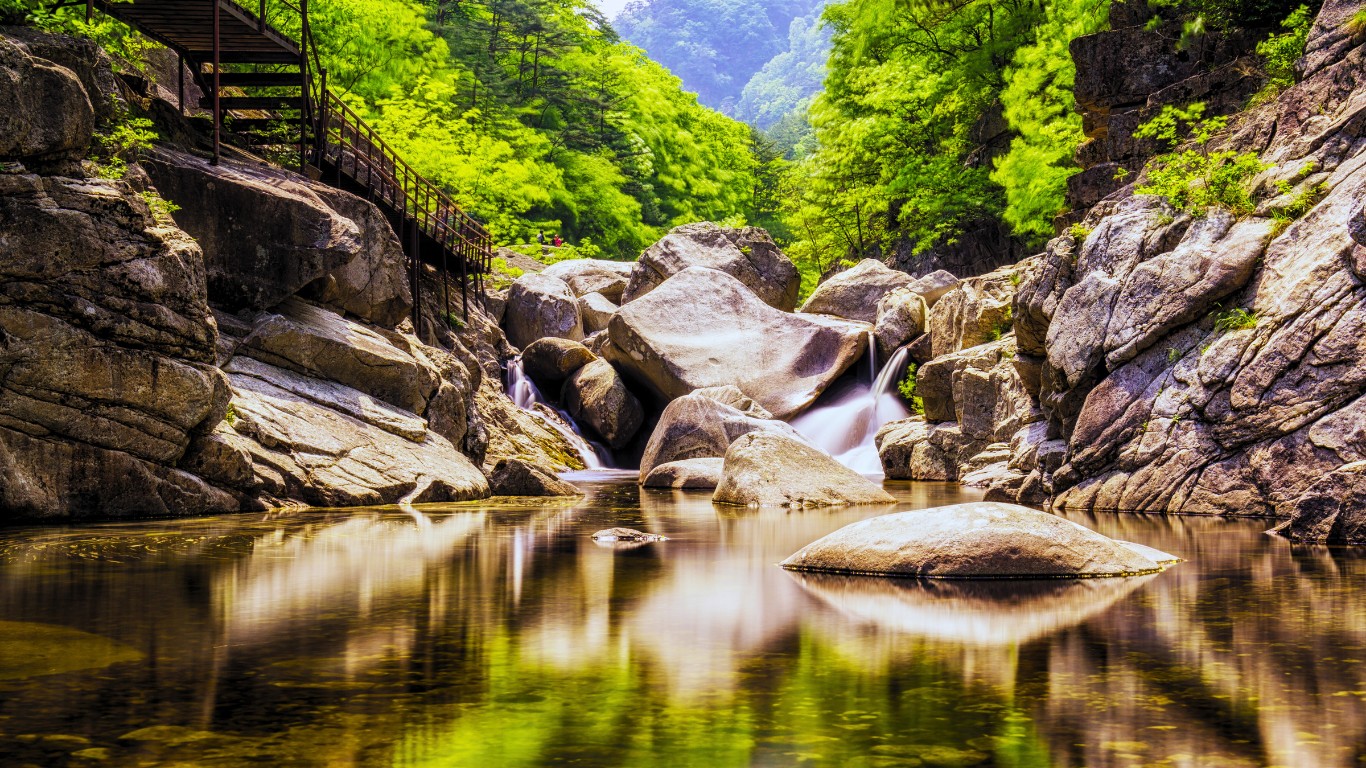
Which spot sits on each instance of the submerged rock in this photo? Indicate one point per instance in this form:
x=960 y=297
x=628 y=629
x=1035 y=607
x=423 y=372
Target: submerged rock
x=764 y=469
x=697 y=474
x=517 y=477
x=983 y=540
x=626 y=534
x=749 y=255
x=703 y=328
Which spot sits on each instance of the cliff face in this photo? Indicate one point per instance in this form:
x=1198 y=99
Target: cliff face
x=250 y=349
x=1139 y=398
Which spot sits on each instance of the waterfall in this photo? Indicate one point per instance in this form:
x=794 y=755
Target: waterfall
x=845 y=426
x=526 y=396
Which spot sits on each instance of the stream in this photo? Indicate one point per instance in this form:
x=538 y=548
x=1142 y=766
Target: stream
x=498 y=634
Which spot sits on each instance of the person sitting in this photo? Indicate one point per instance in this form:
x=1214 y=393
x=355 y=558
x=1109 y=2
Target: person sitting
x=558 y=242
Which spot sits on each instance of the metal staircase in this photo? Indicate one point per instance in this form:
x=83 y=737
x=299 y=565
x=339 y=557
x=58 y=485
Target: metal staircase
x=264 y=89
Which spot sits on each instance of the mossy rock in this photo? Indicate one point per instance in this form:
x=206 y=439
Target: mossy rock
x=29 y=649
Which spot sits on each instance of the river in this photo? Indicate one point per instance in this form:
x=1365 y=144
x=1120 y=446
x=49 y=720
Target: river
x=486 y=634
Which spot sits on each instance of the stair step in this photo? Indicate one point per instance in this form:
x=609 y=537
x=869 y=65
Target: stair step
x=268 y=103
x=260 y=79
x=260 y=125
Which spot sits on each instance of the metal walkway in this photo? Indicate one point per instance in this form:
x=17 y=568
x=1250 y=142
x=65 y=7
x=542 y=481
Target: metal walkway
x=265 y=88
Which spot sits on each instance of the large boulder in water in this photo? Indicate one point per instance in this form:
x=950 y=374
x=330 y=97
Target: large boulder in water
x=763 y=469
x=854 y=293
x=696 y=474
x=749 y=255
x=977 y=540
x=550 y=361
x=704 y=328
x=585 y=276
x=539 y=306
x=597 y=397
x=518 y=477
x=697 y=426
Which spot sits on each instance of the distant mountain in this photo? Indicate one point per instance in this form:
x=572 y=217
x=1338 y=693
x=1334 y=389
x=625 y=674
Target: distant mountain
x=718 y=47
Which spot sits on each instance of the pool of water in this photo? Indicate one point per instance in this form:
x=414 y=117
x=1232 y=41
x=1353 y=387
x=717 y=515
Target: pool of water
x=488 y=634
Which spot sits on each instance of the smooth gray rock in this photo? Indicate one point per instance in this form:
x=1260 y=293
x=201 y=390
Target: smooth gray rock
x=703 y=328
x=699 y=474
x=697 y=426
x=766 y=469
x=551 y=360
x=586 y=276
x=596 y=397
x=540 y=306
x=749 y=255
x=596 y=310
x=854 y=293
x=975 y=540
x=901 y=315
x=518 y=477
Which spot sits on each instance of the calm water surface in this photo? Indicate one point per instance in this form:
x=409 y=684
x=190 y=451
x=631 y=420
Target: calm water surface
x=487 y=635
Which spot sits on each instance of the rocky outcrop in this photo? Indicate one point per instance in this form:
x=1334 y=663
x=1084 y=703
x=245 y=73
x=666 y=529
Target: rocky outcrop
x=47 y=113
x=749 y=255
x=541 y=306
x=597 y=398
x=854 y=293
x=688 y=474
x=766 y=469
x=700 y=425
x=974 y=312
x=518 y=477
x=982 y=540
x=704 y=328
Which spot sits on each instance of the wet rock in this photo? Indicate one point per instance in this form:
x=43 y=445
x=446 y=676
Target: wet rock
x=596 y=397
x=596 y=311
x=766 y=469
x=33 y=650
x=697 y=426
x=45 y=111
x=550 y=361
x=626 y=534
x=540 y=306
x=696 y=474
x=748 y=255
x=854 y=293
x=588 y=276
x=704 y=328
x=268 y=233
x=517 y=477
x=976 y=540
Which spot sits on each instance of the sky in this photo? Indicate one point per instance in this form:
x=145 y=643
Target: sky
x=610 y=8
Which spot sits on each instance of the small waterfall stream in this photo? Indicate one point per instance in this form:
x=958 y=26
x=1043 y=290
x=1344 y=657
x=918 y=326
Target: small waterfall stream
x=526 y=396
x=845 y=426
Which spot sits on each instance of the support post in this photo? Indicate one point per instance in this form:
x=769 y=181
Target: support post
x=217 y=90
x=89 y=10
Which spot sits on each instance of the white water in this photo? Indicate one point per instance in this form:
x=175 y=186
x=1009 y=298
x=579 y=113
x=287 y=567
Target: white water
x=526 y=396
x=846 y=426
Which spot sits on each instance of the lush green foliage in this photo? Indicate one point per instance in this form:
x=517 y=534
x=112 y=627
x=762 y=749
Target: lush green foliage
x=1236 y=319
x=907 y=388
x=1279 y=52
x=122 y=43
x=1196 y=179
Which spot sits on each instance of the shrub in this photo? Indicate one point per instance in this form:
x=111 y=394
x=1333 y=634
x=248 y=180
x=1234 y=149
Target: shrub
x=907 y=389
x=1078 y=232
x=161 y=207
x=1298 y=206
x=1194 y=179
x=1279 y=53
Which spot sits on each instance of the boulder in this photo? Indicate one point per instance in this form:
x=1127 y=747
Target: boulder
x=976 y=540
x=596 y=310
x=748 y=255
x=550 y=361
x=934 y=286
x=268 y=233
x=901 y=317
x=45 y=112
x=911 y=449
x=626 y=534
x=597 y=398
x=696 y=426
x=766 y=469
x=699 y=474
x=518 y=477
x=540 y=306
x=588 y=276
x=854 y=293
x=979 y=388
x=704 y=328
x=732 y=395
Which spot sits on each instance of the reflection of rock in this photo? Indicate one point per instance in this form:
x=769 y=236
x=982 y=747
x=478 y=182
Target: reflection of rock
x=977 y=540
x=626 y=534
x=47 y=649
x=972 y=612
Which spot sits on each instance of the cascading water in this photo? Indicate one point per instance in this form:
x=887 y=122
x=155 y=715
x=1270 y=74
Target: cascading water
x=846 y=426
x=526 y=396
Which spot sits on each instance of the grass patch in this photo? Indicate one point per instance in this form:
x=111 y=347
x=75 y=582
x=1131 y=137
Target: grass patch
x=1237 y=319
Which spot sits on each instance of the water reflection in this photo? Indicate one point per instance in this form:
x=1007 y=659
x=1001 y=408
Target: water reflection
x=493 y=635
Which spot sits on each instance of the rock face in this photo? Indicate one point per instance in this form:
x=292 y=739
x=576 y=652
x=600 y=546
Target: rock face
x=267 y=234
x=704 y=328
x=541 y=306
x=518 y=477
x=976 y=311
x=749 y=255
x=46 y=112
x=765 y=469
x=971 y=541
x=597 y=398
x=694 y=474
x=588 y=276
x=854 y=293
x=696 y=426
